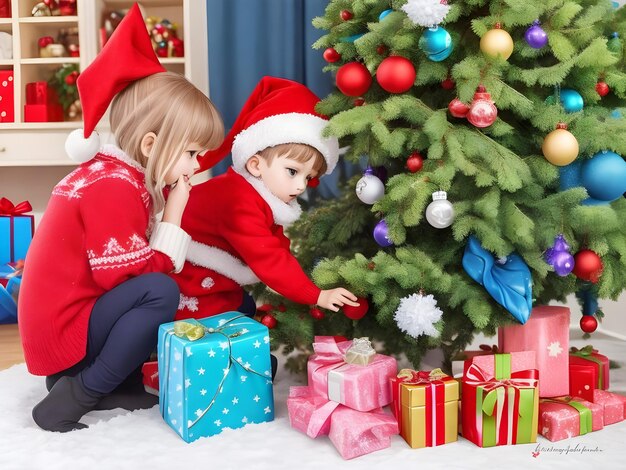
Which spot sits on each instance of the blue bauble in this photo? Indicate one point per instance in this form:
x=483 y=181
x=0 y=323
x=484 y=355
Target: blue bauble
x=435 y=40
x=604 y=176
x=441 y=55
x=616 y=114
x=571 y=100
x=384 y=14
x=570 y=176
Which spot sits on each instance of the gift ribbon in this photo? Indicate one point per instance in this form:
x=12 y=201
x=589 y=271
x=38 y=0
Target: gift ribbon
x=191 y=326
x=493 y=393
x=7 y=208
x=587 y=354
x=435 y=382
x=330 y=353
x=361 y=352
x=585 y=416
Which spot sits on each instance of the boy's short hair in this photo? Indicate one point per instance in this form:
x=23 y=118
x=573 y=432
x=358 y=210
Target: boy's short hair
x=298 y=152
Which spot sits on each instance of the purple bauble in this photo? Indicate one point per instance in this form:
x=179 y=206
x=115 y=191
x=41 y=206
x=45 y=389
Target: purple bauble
x=563 y=263
x=380 y=234
x=535 y=36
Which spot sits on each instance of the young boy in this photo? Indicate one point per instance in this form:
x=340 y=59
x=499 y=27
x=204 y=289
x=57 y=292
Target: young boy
x=236 y=219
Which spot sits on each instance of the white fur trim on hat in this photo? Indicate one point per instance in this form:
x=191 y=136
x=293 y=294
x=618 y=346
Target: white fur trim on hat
x=221 y=262
x=289 y=128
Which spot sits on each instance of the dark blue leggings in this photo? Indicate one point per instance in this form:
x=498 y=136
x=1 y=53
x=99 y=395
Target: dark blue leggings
x=123 y=330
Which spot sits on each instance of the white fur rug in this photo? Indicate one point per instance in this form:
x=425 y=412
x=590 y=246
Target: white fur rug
x=141 y=440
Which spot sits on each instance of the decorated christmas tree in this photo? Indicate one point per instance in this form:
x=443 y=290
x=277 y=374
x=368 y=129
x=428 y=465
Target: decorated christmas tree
x=493 y=131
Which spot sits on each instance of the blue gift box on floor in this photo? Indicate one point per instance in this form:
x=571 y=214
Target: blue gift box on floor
x=214 y=373
x=16 y=230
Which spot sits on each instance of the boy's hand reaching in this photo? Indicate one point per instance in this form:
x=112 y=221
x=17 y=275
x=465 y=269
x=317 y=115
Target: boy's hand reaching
x=332 y=299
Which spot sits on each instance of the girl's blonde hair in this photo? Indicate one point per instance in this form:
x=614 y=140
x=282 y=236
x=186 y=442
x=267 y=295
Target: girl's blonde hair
x=298 y=152
x=177 y=112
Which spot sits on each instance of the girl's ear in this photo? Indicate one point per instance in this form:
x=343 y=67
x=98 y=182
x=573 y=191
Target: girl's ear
x=147 y=141
x=253 y=166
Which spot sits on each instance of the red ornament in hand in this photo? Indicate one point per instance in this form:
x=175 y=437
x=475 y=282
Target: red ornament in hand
x=482 y=111
x=316 y=313
x=331 y=55
x=457 y=108
x=269 y=320
x=587 y=266
x=356 y=313
x=396 y=74
x=353 y=79
x=415 y=162
x=602 y=88
x=588 y=323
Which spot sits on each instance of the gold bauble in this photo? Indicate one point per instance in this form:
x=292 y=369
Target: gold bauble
x=560 y=147
x=497 y=42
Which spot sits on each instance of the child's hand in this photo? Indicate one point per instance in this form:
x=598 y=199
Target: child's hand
x=176 y=201
x=332 y=299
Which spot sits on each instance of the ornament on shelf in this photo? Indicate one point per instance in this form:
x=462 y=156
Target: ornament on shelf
x=353 y=79
x=559 y=257
x=482 y=111
x=602 y=88
x=415 y=162
x=560 y=147
x=448 y=83
x=588 y=266
x=67 y=7
x=316 y=313
x=269 y=320
x=426 y=13
x=396 y=74
x=381 y=234
x=370 y=188
x=436 y=43
x=417 y=314
x=457 y=108
x=440 y=212
x=588 y=323
x=163 y=34
x=571 y=100
x=46 y=8
x=356 y=313
x=346 y=15
x=497 y=43
x=535 y=36
x=331 y=55
x=507 y=280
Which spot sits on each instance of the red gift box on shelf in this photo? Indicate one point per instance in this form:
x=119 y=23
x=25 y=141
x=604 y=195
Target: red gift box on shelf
x=5 y=8
x=599 y=363
x=40 y=93
x=7 y=113
x=565 y=417
x=42 y=103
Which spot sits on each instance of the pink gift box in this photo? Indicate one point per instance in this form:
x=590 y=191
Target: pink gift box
x=613 y=406
x=355 y=433
x=547 y=333
x=559 y=420
x=523 y=360
x=362 y=388
x=308 y=413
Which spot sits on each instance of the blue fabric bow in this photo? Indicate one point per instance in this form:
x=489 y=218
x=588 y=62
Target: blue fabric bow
x=509 y=283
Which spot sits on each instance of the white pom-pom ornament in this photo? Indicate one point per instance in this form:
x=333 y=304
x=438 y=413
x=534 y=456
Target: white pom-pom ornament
x=426 y=13
x=417 y=314
x=81 y=149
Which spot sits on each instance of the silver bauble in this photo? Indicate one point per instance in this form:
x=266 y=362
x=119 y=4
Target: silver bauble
x=370 y=189
x=440 y=213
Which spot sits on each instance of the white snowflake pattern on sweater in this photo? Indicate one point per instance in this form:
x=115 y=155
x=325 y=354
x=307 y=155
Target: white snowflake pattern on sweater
x=190 y=303
x=135 y=250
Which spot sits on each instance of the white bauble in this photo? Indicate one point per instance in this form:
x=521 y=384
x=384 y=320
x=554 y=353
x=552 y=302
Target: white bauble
x=440 y=213
x=370 y=189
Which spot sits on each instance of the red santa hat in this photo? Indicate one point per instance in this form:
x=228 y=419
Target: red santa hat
x=127 y=56
x=279 y=111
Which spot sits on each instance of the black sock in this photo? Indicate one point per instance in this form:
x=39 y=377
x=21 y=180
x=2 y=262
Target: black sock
x=130 y=397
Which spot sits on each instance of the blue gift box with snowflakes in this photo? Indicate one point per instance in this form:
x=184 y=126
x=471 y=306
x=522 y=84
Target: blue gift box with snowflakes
x=214 y=373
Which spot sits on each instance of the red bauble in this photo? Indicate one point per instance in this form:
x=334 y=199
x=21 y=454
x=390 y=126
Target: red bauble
x=587 y=266
x=359 y=102
x=265 y=308
x=70 y=79
x=447 y=84
x=588 y=323
x=316 y=313
x=415 y=162
x=382 y=49
x=482 y=111
x=269 y=320
x=331 y=55
x=346 y=15
x=353 y=79
x=457 y=108
x=396 y=74
x=356 y=313
x=602 y=88
x=44 y=41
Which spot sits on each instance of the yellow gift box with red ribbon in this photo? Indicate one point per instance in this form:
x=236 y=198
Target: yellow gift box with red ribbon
x=425 y=404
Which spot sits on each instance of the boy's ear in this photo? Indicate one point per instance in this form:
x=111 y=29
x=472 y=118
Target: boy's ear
x=147 y=141
x=253 y=165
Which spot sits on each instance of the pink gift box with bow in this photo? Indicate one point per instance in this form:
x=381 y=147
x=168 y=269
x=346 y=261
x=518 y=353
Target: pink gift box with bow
x=360 y=387
x=612 y=404
x=562 y=418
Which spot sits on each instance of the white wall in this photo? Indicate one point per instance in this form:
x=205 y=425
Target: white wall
x=35 y=184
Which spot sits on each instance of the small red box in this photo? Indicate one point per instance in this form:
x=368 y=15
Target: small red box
x=40 y=93
x=43 y=113
x=5 y=8
x=7 y=113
